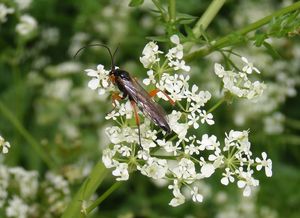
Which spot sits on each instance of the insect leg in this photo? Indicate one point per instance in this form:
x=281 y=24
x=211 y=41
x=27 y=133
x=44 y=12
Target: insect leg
x=116 y=97
x=137 y=119
x=155 y=91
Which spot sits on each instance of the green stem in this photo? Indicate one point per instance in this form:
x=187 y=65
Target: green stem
x=165 y=157
x=224 y=41
x=161 y=10
x=99 y=200
x=172 y=11
x=207 y=17
x=216 y=105
x=28 y=137
x=86 y=190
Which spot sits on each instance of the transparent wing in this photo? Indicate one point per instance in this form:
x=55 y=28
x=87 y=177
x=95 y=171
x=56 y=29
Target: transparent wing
x=146 y=104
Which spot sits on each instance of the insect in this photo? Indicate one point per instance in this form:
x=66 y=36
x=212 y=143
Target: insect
x=137 y=95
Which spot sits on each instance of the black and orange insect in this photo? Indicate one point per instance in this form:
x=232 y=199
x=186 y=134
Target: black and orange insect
x=138 y=96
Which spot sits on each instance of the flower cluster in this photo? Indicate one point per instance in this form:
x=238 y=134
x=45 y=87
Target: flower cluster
x=27 y=25
x=238 y=83
x=28 y=191
x=4 y=11
x=4 y=145
x=182 y=157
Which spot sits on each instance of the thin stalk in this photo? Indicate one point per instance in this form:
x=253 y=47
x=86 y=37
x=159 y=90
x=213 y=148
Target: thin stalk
x=28 y=137
x=216 y=105
x=86 y=190
x=99 y=200
x=223 y=42
x=208 y=16
x=172 y=11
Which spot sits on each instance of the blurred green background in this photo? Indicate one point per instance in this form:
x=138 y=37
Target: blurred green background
x=45 y=104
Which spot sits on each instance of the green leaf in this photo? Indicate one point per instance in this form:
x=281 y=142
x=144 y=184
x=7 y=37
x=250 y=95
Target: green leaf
x=185 y=18
x=135 y=3
x=259 y=39
x=271 y=50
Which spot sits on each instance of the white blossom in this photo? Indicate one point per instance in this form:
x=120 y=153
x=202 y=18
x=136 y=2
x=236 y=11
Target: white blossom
x=4 y=145
x=248 y=68
x=247 y=182
x=4 y=11
x=17 y=208
x=238 y=83
x=175 y=55
x=196 y=197
x=27 y=25
x=227 y=177
x=121 y=172
x=154 y=168
x=264 y=162
x=150 y=55
x=99 y=79
x=178 y=197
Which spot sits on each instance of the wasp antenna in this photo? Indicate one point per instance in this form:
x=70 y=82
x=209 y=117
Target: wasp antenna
x=101 y=45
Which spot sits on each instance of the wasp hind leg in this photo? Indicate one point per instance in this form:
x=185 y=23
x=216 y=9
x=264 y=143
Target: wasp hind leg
x=115 y=97
x=137 y=120
x=155 y=91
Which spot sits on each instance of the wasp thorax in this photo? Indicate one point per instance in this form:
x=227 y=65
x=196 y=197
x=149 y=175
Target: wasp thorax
x=121 y=74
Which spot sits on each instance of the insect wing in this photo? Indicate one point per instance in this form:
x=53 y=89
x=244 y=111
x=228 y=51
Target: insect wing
x=146 y=104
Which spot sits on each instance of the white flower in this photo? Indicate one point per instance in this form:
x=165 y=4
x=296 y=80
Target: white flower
x=4 y=11
x=266 y=163
x=23 y=4
x=185 y=170
x=238 y=83
x=246 y=182
x=248 y=68
x=175 y=39
x=179 y=128
x=150 y=79
x=4 y=145
x=100 y=79
x=208 y=118
x=178 y=197
x=191 y=149
x=121 y=172
x=150 y=55
x=27 y=25
x=125 y=151
x=227 y=177
x=196 y=197
x=107 y=158
x=193 y=120
x=207 y=170
x=175 y=55
x=17 y=208
x=154 y=168
x=168 y=146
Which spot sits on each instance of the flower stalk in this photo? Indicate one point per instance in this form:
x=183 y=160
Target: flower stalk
x=28 y=137
x=86 y=190
x=225 y=41
x=99 y=200
x=208 y=16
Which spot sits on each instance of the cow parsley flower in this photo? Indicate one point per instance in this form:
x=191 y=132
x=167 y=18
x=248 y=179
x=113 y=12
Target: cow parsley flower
x=150 y=55
x=182 y=158
x=4 y=11
x=4 y=145
x=238 y=83
x=266 y=163
x=27 y=25
x=196 y=197
x=100 y=80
